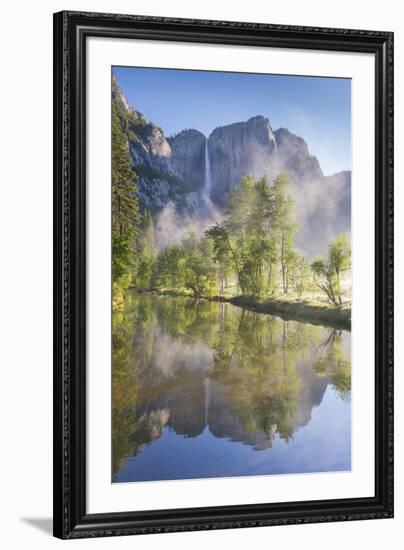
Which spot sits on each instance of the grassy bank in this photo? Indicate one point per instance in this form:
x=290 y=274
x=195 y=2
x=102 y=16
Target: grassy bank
x=310 y=311
x=299 y=310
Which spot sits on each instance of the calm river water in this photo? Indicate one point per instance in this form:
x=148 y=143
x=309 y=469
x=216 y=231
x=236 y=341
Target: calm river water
x=206 y=389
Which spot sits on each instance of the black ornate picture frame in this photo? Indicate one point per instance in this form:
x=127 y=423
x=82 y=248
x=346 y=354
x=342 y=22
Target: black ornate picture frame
x=71 y=30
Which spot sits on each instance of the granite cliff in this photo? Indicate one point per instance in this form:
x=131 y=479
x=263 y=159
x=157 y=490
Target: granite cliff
x=172 y=171
x=253 y=147
x=168 y=169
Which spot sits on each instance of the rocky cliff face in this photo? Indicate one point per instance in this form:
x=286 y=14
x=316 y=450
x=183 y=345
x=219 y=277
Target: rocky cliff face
x=172 y=171
x=252 y=147
x=293 y=156
x=188 y=157
x=165 y=166
x=168 y=169
x=236 y=150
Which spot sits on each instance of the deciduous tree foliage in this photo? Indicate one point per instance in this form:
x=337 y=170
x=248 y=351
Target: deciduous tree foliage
x=255 y=358
x=146 y=251
x=253 y=247
x=258 y=236
x=327 y=271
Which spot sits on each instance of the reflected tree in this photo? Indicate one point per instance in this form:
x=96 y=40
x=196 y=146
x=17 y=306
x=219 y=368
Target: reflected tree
x=190 y=365
x=334 y=361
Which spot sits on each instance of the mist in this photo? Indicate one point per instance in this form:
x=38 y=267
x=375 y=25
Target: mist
x=322 y=203
x=323 y=210
x=173 y=226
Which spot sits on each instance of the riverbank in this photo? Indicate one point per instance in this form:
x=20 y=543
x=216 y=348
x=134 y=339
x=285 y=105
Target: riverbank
x=317 y=313
x=309 y=311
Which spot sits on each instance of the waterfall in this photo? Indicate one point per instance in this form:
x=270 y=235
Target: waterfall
x=208 y=180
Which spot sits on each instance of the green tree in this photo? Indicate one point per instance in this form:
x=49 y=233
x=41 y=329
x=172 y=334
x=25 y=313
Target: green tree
x=223 y=247
x=258 y=233
x=252 y=226
x=301 y=275
x=198 y=268
x=285 y=227
x=340 y=259
x=324 y=278
x=272 y=260
x=327 y=272
x=147 y=251
x=125 y=210
x=169 y=267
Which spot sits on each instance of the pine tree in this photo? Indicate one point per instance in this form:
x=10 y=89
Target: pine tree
x=125 y=209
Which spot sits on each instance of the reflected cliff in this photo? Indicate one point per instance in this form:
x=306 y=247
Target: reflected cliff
x=199 y=387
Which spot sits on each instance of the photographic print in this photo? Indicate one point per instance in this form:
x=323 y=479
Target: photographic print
x=223 y=274
x=231 y=274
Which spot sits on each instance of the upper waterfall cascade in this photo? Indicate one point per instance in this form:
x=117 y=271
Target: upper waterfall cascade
x=208 y=179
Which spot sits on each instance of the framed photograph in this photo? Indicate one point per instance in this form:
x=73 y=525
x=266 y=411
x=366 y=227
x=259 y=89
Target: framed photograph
x=223 y=269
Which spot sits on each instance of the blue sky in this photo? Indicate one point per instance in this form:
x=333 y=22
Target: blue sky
x=317 y=109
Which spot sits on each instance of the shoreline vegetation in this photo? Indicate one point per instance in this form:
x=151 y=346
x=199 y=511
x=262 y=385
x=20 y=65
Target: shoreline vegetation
x=245 y=254
x=300 y=309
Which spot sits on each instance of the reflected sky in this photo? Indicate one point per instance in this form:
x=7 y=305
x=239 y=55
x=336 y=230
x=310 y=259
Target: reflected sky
x=203 y=389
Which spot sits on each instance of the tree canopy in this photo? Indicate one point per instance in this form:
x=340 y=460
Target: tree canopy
x=125 y=209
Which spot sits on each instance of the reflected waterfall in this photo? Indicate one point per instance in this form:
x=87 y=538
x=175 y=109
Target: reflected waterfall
x=207 y=398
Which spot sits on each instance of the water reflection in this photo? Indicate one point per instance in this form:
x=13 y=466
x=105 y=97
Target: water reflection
x=198 y=387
